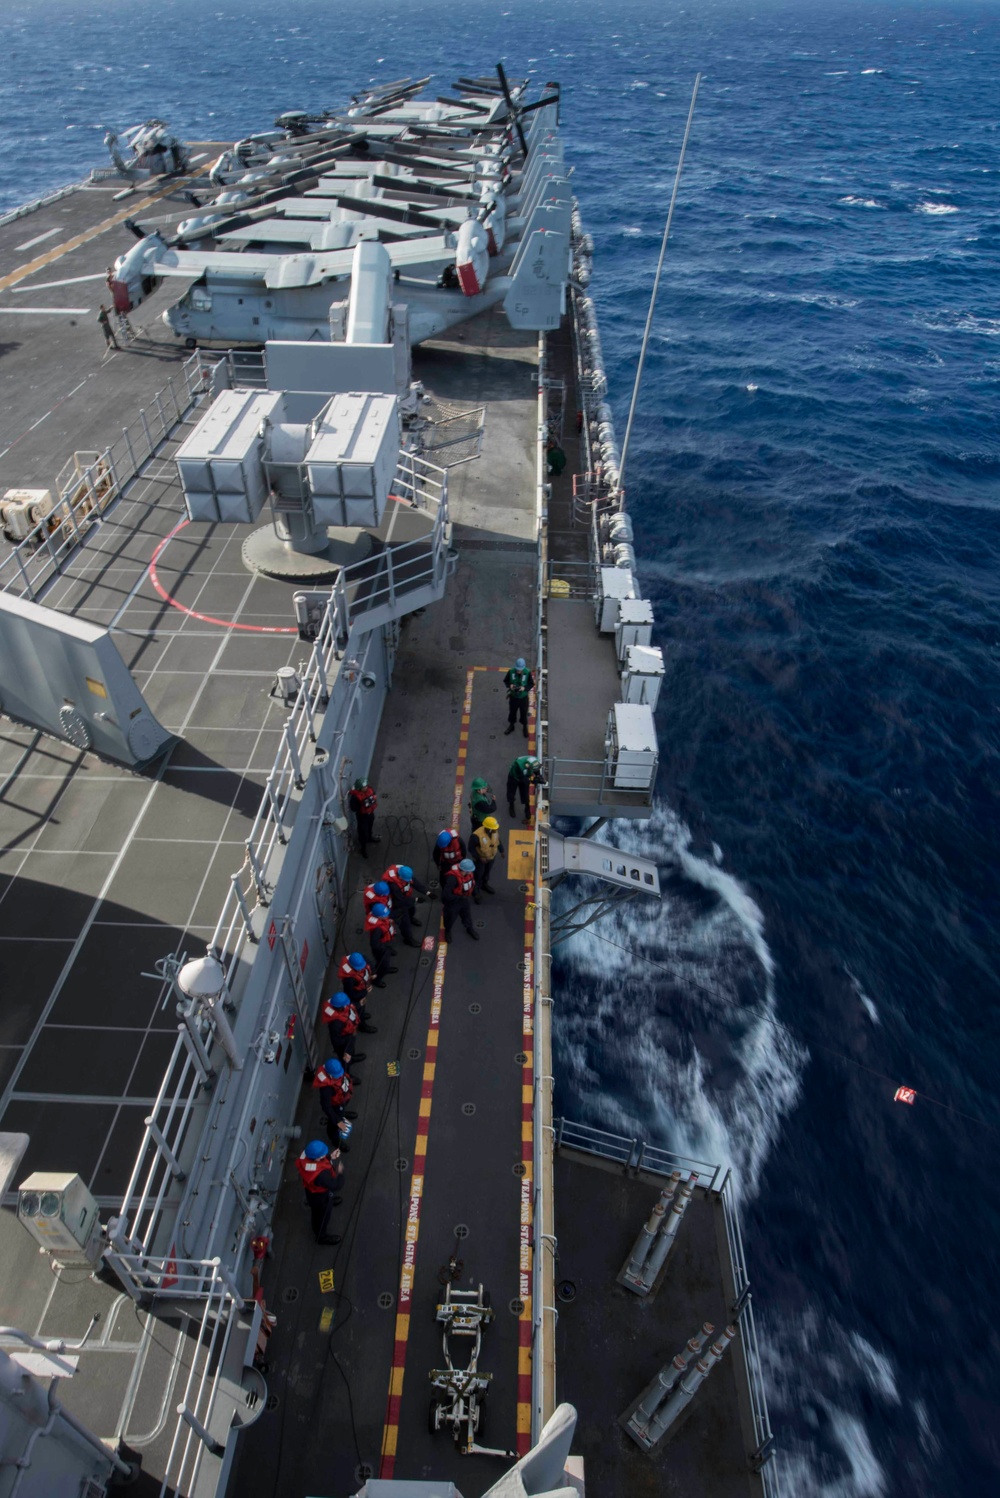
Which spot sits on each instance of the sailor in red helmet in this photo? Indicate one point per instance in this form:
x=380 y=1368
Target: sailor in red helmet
x=404 y=891
x=363 y=801
x=320 y=1170
x=457 y=890
x=342 y=1022
x=355 y=977
x=381 y=931
x=335 y=1089
x=449 y=850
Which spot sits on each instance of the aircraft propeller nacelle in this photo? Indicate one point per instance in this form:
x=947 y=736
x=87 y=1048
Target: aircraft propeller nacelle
x=472 y=256
x=133 y=270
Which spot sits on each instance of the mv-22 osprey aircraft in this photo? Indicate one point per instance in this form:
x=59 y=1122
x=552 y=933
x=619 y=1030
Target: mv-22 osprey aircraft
x=471 y=207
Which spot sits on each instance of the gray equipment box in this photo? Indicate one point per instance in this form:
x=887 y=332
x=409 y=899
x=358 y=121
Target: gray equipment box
x=631 y=746
x=220 y=465
x=634 y=625
x=617 y=584
x=642 y=677
x=352 y=460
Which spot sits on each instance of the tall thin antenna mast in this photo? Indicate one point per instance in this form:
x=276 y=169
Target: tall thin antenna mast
x=656 y=284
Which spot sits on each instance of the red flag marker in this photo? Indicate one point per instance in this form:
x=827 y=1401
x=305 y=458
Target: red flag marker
x=905 y=1095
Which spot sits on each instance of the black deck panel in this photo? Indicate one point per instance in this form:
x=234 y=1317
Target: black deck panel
x=611 y=1343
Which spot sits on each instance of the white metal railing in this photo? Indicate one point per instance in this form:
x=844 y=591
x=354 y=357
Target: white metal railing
x=200 y=1424
x=90 y=484
x=13 y=214
x=364 y=595
x=634 y=1154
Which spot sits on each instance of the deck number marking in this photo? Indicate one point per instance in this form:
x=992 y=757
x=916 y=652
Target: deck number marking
x=326 y=1280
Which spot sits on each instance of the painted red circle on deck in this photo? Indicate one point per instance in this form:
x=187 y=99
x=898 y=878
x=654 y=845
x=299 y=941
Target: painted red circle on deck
x=258 y=629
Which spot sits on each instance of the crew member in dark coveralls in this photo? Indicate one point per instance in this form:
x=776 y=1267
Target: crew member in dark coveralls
x=405 y=889
x=449 y=850
x=525 y=772
x=342 y=1024
x=357 y=980
x=458 y=888
x=520 y=684
x=335 y=1088
x=320 y=1170
x=482 y=802
x=381 y=932
x=363 y=801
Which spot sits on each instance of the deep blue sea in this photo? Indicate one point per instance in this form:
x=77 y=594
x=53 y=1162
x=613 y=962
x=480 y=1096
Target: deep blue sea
x=815 y=484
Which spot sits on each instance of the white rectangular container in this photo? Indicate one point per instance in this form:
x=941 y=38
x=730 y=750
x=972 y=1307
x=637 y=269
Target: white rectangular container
x=352 y=460
x=631 y=746
x=643 y=674
x=616 y=584
x=634 y=625
x=220 y=465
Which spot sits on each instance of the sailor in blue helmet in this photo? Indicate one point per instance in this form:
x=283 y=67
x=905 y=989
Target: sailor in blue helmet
x=320 y=1170
x=342 y=1023
x=404 y=892
x=448 y=849
x=458 y=890
x=335 y=1087
x=520 y=684
x=381 y=932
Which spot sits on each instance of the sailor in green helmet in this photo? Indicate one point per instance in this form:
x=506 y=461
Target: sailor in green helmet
x=482 y=802
x=525 y=772
x=520 y=684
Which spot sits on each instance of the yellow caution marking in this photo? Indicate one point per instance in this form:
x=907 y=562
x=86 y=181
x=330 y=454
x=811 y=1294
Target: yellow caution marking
x=23 y=271
x=521 y=856
x=326 y=1280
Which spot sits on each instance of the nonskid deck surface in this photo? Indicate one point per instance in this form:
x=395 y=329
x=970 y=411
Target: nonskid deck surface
x=610 y=1343
x=61 y=389
x=331 y=1375
x=105 y=872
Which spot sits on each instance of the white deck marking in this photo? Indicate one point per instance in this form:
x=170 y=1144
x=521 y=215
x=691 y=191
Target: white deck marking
x=46 y=311
x=38 y=238
x=50 y=285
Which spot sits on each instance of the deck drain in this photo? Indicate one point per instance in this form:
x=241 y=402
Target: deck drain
x=516 y=1306
x=461 y=1230
x=521 y=1057
x=363 y=1472
x=468 y=1109
x=525 y=889
x=413 y=1054
x=520 y=1169
x=272 y=1402
x=475 y=1008
x=386 y=1299
x=521 y=966
x=402 y=1164
x=566 y=1290
x=423 y=962
x=480 y=924
x=290 y=1294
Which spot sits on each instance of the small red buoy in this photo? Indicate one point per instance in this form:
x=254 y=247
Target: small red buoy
x=905 y=1095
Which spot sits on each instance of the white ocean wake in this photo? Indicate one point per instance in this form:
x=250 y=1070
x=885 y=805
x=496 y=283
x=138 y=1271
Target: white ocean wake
x=684 y=1011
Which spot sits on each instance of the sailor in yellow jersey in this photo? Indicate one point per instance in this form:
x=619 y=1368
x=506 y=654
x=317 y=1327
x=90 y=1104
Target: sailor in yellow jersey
x=484 y=845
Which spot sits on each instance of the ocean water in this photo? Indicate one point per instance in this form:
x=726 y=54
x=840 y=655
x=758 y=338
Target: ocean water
x=815 y=484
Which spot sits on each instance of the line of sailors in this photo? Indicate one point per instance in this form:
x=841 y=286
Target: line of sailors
x=390 y=909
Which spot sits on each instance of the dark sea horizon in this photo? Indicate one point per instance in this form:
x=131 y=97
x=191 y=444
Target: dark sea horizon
x=815 y=487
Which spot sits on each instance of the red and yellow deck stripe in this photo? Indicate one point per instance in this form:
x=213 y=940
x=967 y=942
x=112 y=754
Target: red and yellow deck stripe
x=527 y=1248
x=390 y=1433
